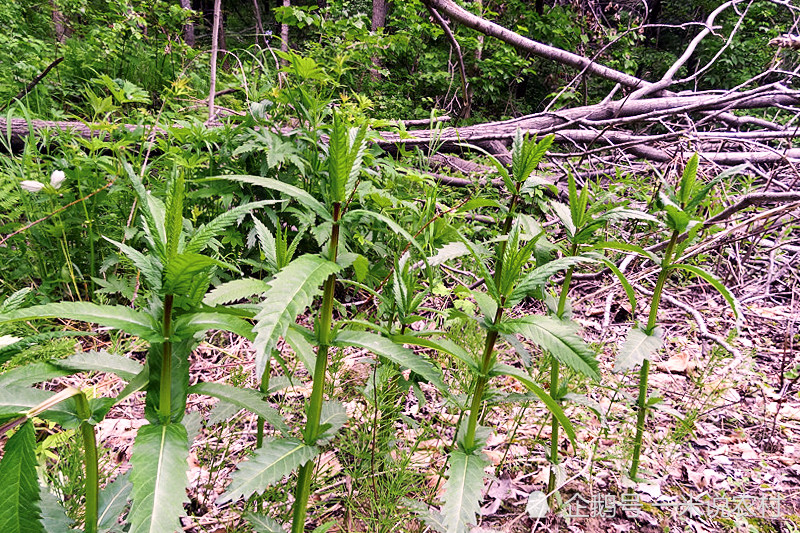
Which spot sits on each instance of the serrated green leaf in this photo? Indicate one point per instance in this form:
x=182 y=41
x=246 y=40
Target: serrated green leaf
x=625 y=247
x=688 y=179
x=173 y=220
x=192 y=323
x=112 y=316
x=101 y=361
x=441 y=345
x=206 y=232
x=701 y=194
x=16 y=300
x=289 y=190
x=332 y=418
x=623 y=281
x=526 y=155
x=677 y=218
x=16 y=346
x=151 y=209
x=27 y=375
x=234 y=290
x=149 y=266
x=392 y=351
x=585 y=401
x=18 y=401
x=19 y=487
x=188 y=275
x=274 y=460
x=291 y=291
x=345 y=151
x=248 y=399
x=559 y=339
x=303 y=350
x=159 y=478
x=54 y=517
x=113 y=500
x=360 y=267
x=486 y=304
x=638 y=346
x=552 y=405
x=462 y=491
x=542 y=274
x=262 y=523
x=565 y=216
x=451 y=250
x=736 y=307
x=394 y=226
x=488 y=279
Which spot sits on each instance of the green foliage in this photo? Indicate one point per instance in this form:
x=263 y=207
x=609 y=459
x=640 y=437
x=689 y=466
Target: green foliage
x=158 y=477
x=19 y=488
x=290 y=293
x=463 y=490
x=274 y=460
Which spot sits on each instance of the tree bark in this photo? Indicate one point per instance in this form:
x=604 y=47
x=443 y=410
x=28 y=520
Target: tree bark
x=188 y=28
x=380 y=8
x=59 y=24
x=214 y=51
x=455 y=12
x=285 y=32
x=259 y=25
x=600 y=125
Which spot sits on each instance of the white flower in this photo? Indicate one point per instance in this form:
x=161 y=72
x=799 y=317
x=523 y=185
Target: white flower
x=31 y=186
x=57 y=178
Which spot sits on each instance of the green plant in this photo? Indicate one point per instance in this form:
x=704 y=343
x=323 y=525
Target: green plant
x=290 y=292
x=178 y=277
x=510 y=283
x=680 y=205
x=581 y=223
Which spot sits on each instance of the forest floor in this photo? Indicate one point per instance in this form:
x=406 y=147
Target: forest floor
x=721 y=451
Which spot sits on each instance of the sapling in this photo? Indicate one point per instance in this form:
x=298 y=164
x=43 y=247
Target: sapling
x=680 y=206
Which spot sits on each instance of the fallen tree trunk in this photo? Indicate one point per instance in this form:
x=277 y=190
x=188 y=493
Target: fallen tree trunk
x=594 y=125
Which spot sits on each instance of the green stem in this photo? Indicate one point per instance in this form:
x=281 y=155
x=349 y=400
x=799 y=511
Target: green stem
x=641 y=403
x=554 y=369
x=501 y=250
x=165 y=390
x=264 y=388
x=90 y=227
x=314 y=411
x=480 y=384
x=92 y=483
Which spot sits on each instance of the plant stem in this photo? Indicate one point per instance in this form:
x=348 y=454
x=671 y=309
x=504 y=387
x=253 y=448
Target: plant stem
x=264 y=388
x=480 y=384
x=92 y=483
x=641 y=403
x=165 y=390
x=314 y=411
x=554 y=369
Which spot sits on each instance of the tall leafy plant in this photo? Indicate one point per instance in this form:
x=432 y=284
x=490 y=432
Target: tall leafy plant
x=292 y=290
x=177 y=275
x=511 y=282
x=680 y=206
x=581 y=222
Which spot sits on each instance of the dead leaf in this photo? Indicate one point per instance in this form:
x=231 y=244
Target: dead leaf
x=679 y=363
x=746 y=450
